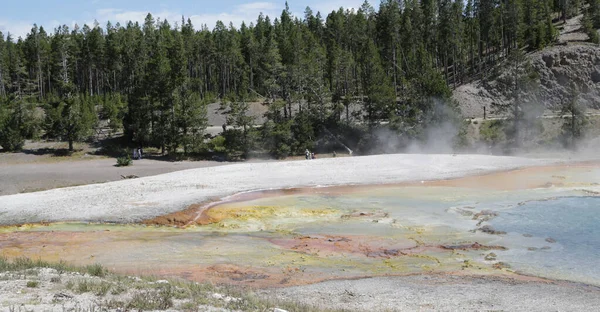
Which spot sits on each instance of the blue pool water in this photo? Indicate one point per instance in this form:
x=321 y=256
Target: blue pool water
x=573 y=222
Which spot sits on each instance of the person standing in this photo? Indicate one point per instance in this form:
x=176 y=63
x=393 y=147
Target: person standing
x=139 y=153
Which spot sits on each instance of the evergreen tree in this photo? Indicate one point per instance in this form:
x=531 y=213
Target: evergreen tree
x=16 y=124
x=522 y=79
x=397 y=65
x=70 y=119
x=573 y=126
x=239 y=140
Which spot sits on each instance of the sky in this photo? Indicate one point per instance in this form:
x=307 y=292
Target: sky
x=18 y=16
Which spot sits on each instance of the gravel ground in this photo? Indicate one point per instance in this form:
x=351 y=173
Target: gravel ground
x=445 y=293
x=144 y=198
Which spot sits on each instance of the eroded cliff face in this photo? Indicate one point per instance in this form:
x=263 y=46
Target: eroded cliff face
x=559 y=66
x=556 y=68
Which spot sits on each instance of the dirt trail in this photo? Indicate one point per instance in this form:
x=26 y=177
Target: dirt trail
x=571 y=31
x=37 y=176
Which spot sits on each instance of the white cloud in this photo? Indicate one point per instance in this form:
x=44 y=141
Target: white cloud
x=107 y=12
x=326 y=7
x=15 y=28
x=247 y=12
x=256 y=6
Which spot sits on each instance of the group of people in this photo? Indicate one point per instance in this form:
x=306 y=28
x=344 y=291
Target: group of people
x=309 y=155
x=137 y=153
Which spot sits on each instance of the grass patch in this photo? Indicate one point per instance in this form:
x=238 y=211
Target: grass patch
x=160 y=299
x=84 y=287
x=96 y=270
x=24 y=264
x=102 y=289
x=146 y=293
x=118 y=289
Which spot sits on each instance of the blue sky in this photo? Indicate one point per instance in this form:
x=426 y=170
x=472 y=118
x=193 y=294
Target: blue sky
x=17 y=16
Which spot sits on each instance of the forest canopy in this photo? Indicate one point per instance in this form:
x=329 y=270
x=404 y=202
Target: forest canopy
x=325 y=80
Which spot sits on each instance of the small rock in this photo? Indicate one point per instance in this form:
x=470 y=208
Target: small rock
x=501 y=265
x=532 y=248
x=596 y=76
x=550 y=240
x=545 y=248
x=486 y=213
x=128 y=177
x=466 y=264
x=217 y=296
x=62 y=296
x=490 y=257
x=279 y=310
x=490 y=230
x=549 y=60
x=227 y=299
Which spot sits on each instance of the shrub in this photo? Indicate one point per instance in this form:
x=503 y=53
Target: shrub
x=492 y=132
x=589 y=29
x=461 y=139
x=32 y=284
x=11 y=140
x=17 y=123
x=124 y=161
x=282 y=151
x=217 y=144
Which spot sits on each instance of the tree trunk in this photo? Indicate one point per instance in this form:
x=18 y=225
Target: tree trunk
x=348 y=114
x=395 y=73
x=572 y=127
x=2 y=92
x=91 y=82
x=40 y=77
x=70 y=144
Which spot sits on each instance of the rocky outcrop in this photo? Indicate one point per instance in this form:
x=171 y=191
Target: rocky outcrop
x=556 y=68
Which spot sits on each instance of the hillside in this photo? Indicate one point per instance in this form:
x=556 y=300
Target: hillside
x=571 y=60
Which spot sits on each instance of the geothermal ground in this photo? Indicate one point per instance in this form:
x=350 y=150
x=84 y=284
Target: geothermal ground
x=140 y=199
x=390 y=232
